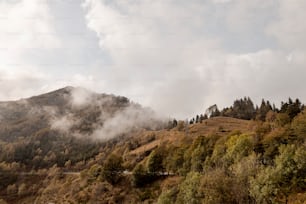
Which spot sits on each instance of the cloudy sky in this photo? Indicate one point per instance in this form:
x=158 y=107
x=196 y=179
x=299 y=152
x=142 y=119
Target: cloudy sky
x=176 y=56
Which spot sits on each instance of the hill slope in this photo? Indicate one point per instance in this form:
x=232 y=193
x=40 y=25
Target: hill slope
x=75 y=146
x=52 y=128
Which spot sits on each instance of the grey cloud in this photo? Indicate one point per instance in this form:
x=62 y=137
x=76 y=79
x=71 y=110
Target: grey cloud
x=175 y=56
x=289 y=28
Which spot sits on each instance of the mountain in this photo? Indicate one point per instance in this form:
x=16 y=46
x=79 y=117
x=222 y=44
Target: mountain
x=62 y=122
x=75 y=146
x=60 y=102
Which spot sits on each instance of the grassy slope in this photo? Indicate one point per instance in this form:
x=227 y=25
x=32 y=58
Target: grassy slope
x=218 y=125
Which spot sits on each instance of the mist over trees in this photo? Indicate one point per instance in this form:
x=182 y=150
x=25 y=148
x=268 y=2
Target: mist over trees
x=241 y=154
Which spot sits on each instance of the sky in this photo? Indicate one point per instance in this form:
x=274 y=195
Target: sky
x=175 y=56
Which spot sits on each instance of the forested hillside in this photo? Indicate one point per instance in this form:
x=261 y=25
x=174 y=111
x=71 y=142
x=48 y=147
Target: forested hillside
x=52 y=152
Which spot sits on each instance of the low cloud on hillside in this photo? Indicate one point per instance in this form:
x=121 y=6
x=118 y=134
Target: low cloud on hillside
x=114 y=119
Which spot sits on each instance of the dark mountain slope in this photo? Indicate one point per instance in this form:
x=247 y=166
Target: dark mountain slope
x=66 y=124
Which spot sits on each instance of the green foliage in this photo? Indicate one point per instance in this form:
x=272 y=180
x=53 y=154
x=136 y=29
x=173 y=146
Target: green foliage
x=167 y=196
x=288 y=175
x=216 y=160
x=201 y=148
x=213 y=111
x=265 y=164
x=299 y=127
x=112 y=169
x=155 y=162
x=282 y=119
x=217 y=187
x=291 y=168
x=271 y=143
x=141 y=176
x=242 y=109
x=264 y=108
x=241 y=172
x=238 y=146
x=175 y=160
x=263 y=187
x=188 y=190
x=197 y=159
x=94 y=172
x=291 y=108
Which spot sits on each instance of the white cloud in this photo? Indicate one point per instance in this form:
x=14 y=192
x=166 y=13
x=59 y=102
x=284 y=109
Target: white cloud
x=20 y=83
x=175 y=56
x=80 y=97
x=290 y=28
x=26 y=24
x=126 y=120
x=155 y=45
x=190 y=69
x=64 y=123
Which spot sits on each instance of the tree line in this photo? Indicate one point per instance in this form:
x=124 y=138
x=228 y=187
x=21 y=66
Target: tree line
x=244 y=108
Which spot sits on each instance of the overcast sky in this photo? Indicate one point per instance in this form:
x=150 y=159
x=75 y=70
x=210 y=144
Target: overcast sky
x=176 y=56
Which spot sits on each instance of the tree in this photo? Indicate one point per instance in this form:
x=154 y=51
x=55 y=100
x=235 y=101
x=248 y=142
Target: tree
x=94 y=172
x=155 y=162
x=167 y=196
x=243 y=109
x=191 y=121
x=141 y=176
x=264 y=108
x=198 y=157
x=291 y=108
x=242 y=171
x=112 y=169
x=174 y=122
x=188 y=190
x=262 y=187
x=201 y=148
x=197 y=119
x=299 y=128
x=238 y=146
x=175 y=160
x=216 y=160
x=213 y=111
x=216 y=187
x=286 y=177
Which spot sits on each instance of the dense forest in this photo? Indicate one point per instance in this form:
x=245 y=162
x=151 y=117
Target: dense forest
x=240 y=154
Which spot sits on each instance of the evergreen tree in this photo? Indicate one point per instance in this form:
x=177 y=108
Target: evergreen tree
x=155 y=162
x=197 y=118
x=112 y=169
x=213 y=111
x=264 y=108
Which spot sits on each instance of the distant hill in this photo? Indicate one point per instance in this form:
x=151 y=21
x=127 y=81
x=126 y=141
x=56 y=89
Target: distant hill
x=69 y=110
x=68 y=123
